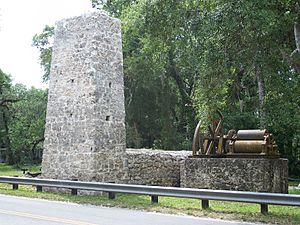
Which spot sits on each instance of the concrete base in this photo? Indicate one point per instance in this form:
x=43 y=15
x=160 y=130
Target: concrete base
x=250 y=174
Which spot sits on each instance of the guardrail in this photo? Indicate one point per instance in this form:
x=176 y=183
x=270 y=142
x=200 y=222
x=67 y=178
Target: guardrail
x=264 y=199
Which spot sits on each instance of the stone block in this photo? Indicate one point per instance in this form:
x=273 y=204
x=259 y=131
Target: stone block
x=239 y=174
x=154 y=167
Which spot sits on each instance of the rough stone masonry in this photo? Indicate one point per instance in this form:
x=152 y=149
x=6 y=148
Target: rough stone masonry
x=239 y=174
x=85 y=130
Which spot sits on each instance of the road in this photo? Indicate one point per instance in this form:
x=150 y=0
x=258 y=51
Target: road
x=25 y=211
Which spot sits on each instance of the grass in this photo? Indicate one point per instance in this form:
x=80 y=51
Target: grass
x=218 y=209
x=7 y=170
x=294 y=183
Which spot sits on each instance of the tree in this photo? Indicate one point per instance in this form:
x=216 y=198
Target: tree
x=22 y=121
x=5 y=101
x=27 y=124
x=43 y=42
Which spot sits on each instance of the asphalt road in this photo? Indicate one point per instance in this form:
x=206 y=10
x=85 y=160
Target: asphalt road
x=25 y=211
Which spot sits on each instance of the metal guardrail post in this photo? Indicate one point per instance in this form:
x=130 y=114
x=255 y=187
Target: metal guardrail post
x=111 y=195
x=15 y=186
x=264 y=209
x=39 y=188
x=74 y=190
x=204 y=204
x=154 y=199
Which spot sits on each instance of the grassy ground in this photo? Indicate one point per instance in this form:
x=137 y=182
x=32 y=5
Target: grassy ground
x=294 y=183
x=7 y=170
x=218 y=209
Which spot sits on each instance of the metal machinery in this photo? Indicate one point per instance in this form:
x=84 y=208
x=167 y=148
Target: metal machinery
x=243 y=143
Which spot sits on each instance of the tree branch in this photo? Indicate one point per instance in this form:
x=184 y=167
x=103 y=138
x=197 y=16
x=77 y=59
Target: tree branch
x=179 y=81
x=293 y=63
x=297 y=38
x=3 y=102
x=35 y=143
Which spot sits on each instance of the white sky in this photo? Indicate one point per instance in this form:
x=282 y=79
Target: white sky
x=20 y=20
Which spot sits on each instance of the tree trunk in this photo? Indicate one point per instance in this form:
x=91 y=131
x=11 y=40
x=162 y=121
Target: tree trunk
x=297 y=36
x=261 y=96
x=241 y=105
x=238 y=89
x=185 y=91
x=9 y=154
x=34 y=145
x=293 y=59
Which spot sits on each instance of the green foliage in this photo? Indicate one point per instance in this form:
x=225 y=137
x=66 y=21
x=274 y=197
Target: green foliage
x=27 y=124
x=5 y=83
x=22 y=121
x=43 y=42
x=158 y=99
x=5 y=101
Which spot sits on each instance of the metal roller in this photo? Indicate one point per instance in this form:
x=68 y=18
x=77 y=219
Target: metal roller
x=251 y=134
x=246 y=146
x=244 y=143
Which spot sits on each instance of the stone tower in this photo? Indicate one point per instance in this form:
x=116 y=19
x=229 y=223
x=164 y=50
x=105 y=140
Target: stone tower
x=85 y=130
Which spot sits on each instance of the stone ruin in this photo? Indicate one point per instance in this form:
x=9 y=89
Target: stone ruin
x=85 y=129
x=85 y=122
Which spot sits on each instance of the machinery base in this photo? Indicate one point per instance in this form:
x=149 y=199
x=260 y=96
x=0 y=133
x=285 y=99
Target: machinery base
x=240 y=174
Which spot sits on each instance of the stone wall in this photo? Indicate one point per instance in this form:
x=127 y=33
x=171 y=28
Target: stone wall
x=85 y=130
x=154 y=167
x=259 y=175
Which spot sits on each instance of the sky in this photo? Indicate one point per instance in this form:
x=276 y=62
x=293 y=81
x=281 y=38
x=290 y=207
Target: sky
x=20 y=20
